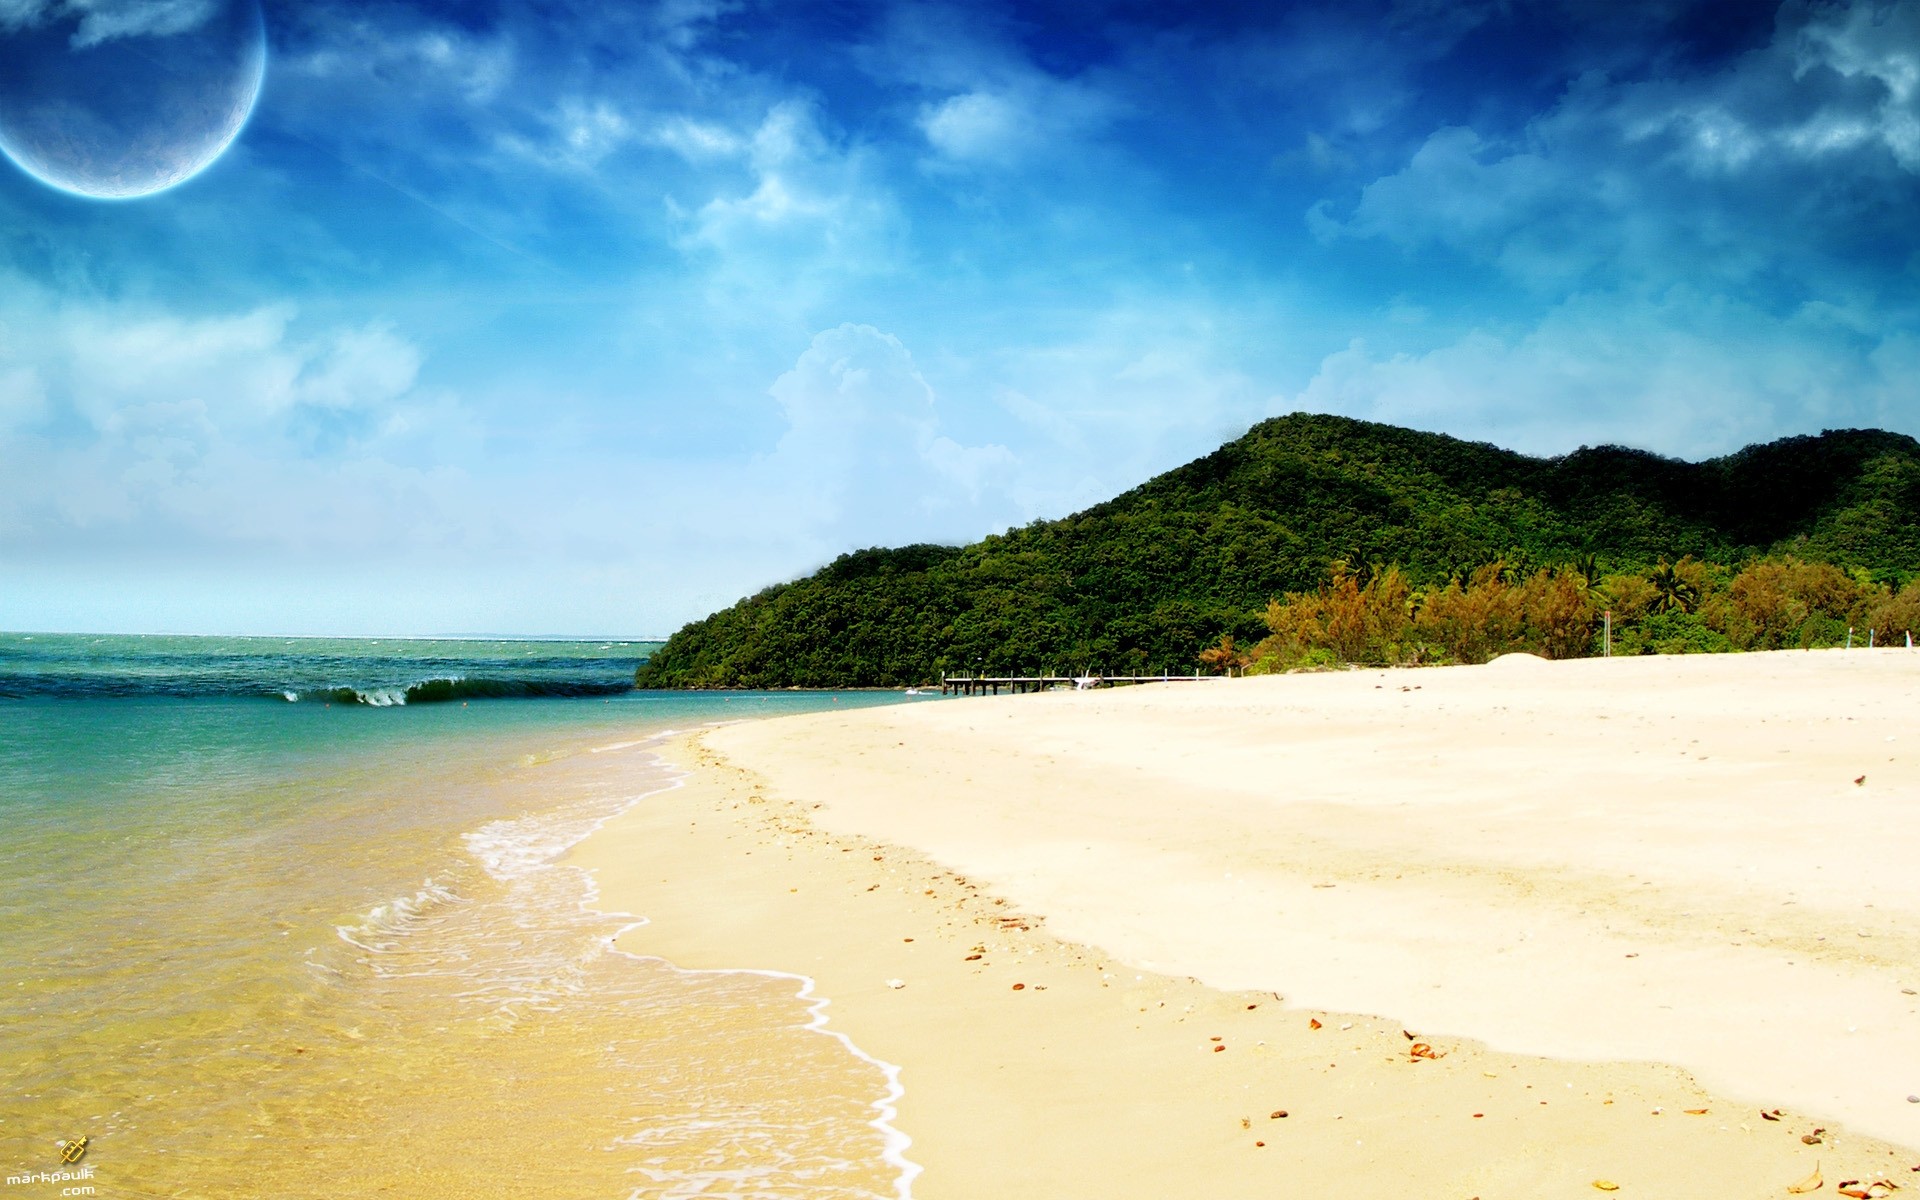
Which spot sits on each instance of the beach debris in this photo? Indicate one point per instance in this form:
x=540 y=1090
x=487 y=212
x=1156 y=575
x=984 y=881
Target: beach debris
x=1770 y=1116
x=1246 y=1122
x=1421 y=1050
x=1218 y=1049
x=1859 y=781
x=1346 y=1026
x=1695 y=1112
x=1313 y=1022
x=1406 y=1035
x=896 y=984
x=1913 y=1099
x=1606 y=1185
x=1811 y=1183
x=974 y=957
x=1276 y=1114
x=1811 y=1139
x=1019 y=987
x=1477 y=1116
x=1259 y=1143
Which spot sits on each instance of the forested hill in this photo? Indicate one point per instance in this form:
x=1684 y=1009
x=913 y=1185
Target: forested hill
x=1146 y=580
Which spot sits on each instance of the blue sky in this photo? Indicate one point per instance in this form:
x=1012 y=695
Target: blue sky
x=590 y=318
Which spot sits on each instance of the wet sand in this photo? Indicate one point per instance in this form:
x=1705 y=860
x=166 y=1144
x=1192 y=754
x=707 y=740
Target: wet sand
x=1605 y=893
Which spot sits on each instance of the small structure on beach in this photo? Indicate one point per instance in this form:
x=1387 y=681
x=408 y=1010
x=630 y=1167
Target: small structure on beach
x=967 y=685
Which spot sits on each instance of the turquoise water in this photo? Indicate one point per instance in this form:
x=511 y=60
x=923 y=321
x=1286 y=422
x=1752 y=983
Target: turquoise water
x=372 y=671
x=243 y=936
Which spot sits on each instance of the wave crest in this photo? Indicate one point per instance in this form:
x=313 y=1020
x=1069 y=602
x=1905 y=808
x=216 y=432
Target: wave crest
x=442 y=690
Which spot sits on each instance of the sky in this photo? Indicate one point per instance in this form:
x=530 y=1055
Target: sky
x=590 y=318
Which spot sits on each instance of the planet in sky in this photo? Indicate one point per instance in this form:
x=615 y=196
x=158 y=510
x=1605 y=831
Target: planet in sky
x=124 y=98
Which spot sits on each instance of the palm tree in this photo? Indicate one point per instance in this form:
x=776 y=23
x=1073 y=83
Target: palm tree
x=1671 y=590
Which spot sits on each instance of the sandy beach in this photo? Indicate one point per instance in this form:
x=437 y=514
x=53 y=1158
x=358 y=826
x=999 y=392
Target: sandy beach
x=1513 y=930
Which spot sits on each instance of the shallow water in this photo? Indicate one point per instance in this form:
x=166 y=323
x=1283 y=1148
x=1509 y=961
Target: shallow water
x=254 y=947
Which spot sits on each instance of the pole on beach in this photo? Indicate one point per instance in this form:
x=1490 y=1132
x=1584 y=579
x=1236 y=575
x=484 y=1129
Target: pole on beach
x=1606 y=646
x=1849 y=637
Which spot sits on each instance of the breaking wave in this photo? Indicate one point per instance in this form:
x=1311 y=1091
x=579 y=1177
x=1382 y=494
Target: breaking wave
x=439 y=691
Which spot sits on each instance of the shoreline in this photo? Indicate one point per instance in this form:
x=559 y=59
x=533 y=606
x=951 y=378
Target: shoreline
x=838 y=847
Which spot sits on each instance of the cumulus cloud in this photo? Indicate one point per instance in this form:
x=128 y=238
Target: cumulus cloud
x=218 y=431
x=864 y=452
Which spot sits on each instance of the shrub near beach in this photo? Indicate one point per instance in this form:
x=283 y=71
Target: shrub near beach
x=1377 y=616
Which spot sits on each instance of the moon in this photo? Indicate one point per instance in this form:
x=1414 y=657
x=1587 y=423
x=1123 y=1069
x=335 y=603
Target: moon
x=120 y=99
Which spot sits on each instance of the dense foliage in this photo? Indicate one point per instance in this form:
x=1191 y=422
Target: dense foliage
x=1572 y=611
x=1149 y=579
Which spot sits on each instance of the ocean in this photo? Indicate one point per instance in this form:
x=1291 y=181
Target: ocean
x=294 y=917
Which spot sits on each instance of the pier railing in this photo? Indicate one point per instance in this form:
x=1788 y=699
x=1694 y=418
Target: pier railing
x=967 y=685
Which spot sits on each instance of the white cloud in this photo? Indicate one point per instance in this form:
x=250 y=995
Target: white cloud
x=22 y=14
x=1726 y=173
x=975 y=125
x=368 y=368
x=812 y=209
x=102 y=20
x=698 y=141
x=113 y=363
x=361 y=59
x=1014 y=121
x=1879 y=43
x=225 y=431
x=864 y=454
x=1690 y=374
x=988 y=103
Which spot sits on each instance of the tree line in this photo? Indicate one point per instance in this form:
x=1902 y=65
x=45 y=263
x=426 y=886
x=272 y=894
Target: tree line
x=1378 y=616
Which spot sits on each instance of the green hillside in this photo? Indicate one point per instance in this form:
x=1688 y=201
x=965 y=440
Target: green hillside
x=1145 y=581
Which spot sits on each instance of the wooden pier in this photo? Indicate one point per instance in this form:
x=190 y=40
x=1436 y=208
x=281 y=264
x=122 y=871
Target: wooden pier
x=967 y=685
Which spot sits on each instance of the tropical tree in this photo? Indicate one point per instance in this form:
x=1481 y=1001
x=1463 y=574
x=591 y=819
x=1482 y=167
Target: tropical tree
x=1671 y=590
x=1224 y=656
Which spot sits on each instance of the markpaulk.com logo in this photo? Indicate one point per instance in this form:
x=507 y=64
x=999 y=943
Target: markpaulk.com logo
x=71 y=1151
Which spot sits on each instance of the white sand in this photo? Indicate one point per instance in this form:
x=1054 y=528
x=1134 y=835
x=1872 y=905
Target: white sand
x=1657 y=861
x=1648 y=858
